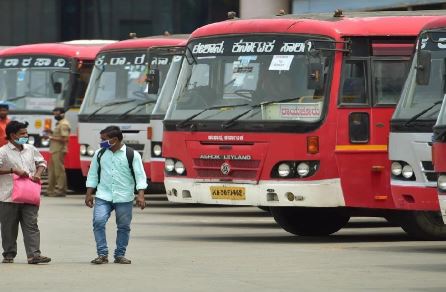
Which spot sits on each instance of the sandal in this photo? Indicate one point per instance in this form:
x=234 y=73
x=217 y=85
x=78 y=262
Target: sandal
x=122 y=260
x=8 y=261
x=39 y=260
x=100 y=260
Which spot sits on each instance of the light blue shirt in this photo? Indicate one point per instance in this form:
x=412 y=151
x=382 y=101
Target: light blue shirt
x=116 y=184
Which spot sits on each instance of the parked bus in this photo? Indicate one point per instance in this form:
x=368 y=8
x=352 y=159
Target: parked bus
x=437 y=36
x=291 y=113
x=34 y=79
x=413 y=180
x=118 y=94
x=159 y=111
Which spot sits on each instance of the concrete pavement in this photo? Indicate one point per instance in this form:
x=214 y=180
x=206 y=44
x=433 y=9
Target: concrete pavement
x=206 y=248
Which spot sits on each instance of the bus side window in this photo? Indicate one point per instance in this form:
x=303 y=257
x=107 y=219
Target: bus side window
x=388 y=81
x=354 y=83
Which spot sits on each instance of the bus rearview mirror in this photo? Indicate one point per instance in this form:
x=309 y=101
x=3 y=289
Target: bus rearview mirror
x=423 y=67
x=315 y=78
x=153 y=81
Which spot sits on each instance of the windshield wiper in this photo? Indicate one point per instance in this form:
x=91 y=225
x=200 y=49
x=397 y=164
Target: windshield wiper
x=17 y=97
x=135 y=107
x=184 y=122
x=230 y=122
x=110 y=104
x=415 y=117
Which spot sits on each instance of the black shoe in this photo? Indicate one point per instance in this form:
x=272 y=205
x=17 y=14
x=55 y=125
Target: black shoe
x=100 y=260
x=39 y=260
x=122 y=260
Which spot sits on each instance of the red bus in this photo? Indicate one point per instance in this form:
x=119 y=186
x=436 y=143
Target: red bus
x=176 y=53
x=118 y=94
x=437 y=35
x=28 y=75
x=291 y=113
x=413 y=180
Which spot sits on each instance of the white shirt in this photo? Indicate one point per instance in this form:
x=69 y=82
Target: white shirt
x=11 y=157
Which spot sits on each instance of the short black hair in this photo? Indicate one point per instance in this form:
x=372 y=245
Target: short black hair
x=4 y=105
x=59 y=109
x=13 y=127
x=113 y=132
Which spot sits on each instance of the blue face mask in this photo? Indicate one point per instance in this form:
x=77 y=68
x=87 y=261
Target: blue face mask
x=21 y=140
x=105 y=144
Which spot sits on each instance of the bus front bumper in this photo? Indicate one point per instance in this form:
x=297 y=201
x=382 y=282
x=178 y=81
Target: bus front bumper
x=321 y=193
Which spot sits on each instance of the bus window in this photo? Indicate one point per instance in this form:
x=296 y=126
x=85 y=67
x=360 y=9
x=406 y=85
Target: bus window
x=354 y=85
x=388 y=80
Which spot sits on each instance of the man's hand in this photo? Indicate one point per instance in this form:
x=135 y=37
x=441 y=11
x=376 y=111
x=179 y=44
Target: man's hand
x=140 y=200
x=89 y=201
x=36 y=178
x=20 y=172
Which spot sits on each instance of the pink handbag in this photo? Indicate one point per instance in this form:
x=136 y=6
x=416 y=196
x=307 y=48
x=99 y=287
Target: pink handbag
x=25 y=191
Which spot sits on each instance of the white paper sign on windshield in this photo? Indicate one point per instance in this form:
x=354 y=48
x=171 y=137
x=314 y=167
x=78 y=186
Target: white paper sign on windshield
x=292 y=111
x=281 y=62
x=40 y=103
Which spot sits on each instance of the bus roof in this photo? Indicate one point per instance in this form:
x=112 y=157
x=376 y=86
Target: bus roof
x=436 y=24
x=81 y=49
x=147 y=42
x=395 y=23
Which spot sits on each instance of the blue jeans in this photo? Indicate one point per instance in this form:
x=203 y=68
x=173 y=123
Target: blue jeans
x=101 y=213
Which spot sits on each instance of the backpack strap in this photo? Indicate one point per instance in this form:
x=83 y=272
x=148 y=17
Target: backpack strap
x=100 y=153
x=130 y=153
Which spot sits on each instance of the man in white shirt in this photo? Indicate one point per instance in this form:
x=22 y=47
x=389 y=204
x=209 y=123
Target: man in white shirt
x=23 y=160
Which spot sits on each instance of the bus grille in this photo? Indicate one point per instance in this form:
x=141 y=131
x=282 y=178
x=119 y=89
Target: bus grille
x=428 y=170
x=240 y=169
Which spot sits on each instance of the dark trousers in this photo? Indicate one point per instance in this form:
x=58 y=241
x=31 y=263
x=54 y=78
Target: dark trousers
x=11 y=214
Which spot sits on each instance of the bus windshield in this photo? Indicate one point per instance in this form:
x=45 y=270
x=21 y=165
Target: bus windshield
x=165 y=95
x=26 y=82
x=415 y=98
x=118 y=84
x=223 y=78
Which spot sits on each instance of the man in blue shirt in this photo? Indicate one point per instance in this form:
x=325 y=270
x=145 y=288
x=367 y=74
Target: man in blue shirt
x=115 y=185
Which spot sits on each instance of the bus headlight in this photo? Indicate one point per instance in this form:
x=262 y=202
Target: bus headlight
x=157 y=150
x=45 y=142
x=83 y=149
x=441 y=183
x=407 y=171
x=397 y=168
x=31 y=140
x=169 y=165
x=90 y=151
x=303 y=169
x=284 y=170
x=179 y=167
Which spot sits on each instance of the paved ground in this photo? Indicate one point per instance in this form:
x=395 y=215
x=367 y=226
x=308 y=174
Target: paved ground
x=190 y=248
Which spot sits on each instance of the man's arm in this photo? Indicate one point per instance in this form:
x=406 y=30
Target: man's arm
x=92 y=180
x=40 y=165
x=141 y=180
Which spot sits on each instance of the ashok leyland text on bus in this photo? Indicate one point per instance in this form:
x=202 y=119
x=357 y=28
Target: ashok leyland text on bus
x=413 y=180
x=34 y=79
x=118 y=94
x=291 y=113
x=176 y=54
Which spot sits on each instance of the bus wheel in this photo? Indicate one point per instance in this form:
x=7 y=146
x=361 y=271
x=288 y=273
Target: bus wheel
x=310 y=221
x=263 y=208
x=424 y=225
x=76 y=181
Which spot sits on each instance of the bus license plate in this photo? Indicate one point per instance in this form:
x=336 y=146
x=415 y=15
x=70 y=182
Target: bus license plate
x=228 y=193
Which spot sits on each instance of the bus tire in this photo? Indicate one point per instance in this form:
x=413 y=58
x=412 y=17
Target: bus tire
x=424 y=225
x=264 y=208
x=310 y=221
x=76 y=181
